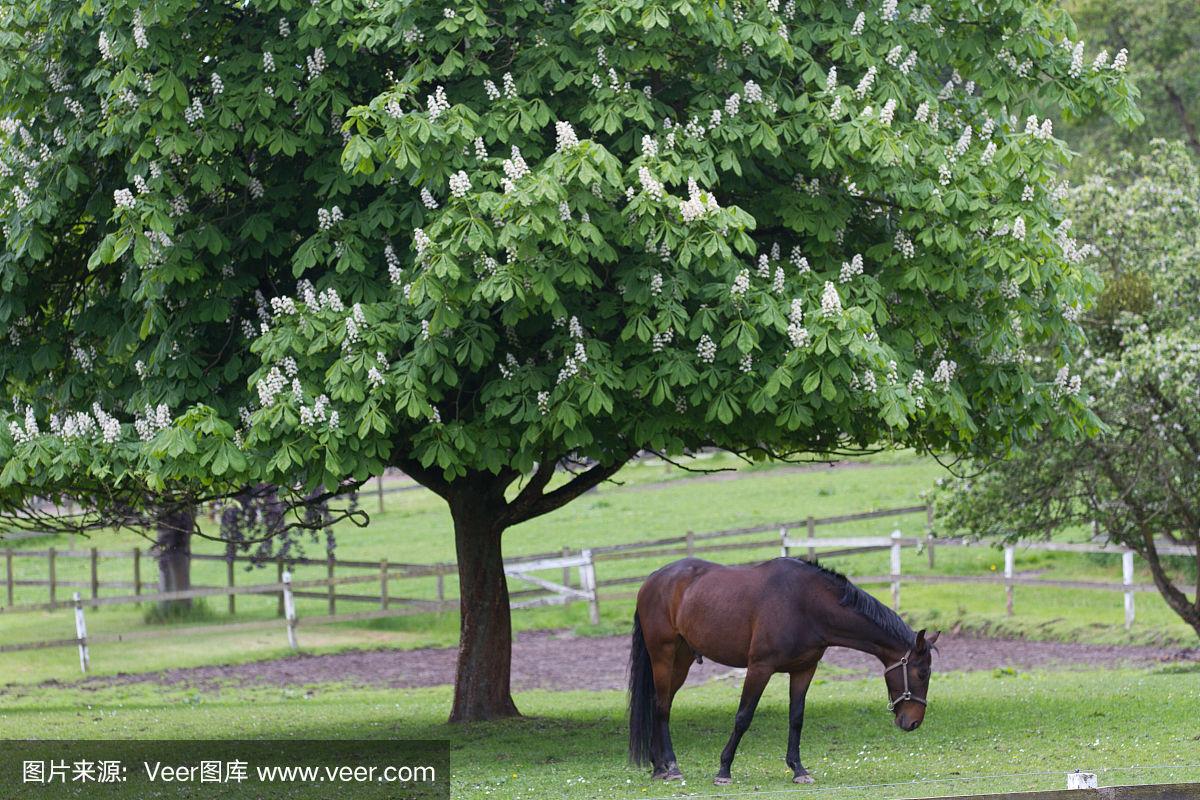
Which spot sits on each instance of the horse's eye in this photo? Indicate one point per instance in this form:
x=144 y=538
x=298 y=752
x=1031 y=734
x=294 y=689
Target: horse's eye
x=923 y=674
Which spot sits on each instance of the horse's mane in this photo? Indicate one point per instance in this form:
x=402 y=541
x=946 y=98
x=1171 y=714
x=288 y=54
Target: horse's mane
x=856 y=599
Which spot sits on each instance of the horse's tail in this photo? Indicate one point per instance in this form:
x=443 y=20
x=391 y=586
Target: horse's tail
x=643 y=712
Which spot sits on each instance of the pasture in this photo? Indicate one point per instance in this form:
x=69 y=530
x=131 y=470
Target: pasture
x=647 y=501
x=1018 y=729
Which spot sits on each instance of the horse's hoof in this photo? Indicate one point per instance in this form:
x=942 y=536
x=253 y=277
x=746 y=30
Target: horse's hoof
x=804 y=778
x=719 y=781
x=673 y=774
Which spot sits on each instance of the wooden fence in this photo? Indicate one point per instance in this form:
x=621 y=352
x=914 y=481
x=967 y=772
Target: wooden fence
x=587 y=588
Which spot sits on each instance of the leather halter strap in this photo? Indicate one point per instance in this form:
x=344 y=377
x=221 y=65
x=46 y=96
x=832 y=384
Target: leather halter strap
x=907 y=694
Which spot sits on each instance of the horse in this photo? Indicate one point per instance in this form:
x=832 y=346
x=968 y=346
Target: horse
x=777 y=616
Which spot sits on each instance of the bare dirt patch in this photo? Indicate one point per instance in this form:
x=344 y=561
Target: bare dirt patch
x=560 y=660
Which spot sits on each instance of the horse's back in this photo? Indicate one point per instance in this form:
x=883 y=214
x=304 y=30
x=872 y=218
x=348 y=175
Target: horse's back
x=715 y=607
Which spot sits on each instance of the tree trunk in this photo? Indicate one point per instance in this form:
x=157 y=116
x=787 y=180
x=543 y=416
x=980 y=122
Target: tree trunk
x=1188 y=610
x=174 y=552
x=482 y=689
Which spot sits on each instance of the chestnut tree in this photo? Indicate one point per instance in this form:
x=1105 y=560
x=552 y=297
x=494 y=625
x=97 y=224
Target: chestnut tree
x=556 y=234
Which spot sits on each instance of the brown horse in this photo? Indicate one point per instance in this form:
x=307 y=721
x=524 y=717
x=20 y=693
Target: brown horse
x=778 y=616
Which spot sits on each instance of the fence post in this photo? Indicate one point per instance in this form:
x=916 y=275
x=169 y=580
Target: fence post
x=896 y=570
x=229 y=580
x=587 y=582
x=566 y=576
x=1081 y=780
x=81 y=634
x=383 y=584
x=332 y=587
x=1127 y=579
x=53 y=580
x=811 y=527
x=95 y=579
x=691 y=543
x=279 y=571
x=783 y=548
x=929 y=543
x=1009 y=555
x=137 y=571
x=8 y=574
x=289 y=609
x=379 y=490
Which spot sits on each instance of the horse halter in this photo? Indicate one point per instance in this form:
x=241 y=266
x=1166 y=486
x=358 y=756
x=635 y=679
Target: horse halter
x=907 y=694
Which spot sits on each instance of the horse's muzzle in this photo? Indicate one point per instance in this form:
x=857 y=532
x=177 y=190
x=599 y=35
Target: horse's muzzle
x=906 y=724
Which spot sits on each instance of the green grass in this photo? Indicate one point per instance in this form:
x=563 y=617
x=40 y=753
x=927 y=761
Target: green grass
x=652 y=500
x=571 y=744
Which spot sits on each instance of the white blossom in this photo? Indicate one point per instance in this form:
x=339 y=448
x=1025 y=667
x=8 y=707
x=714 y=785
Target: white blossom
x=831 y=301
x=699 y=204
x=864 y=85
x=437 y=103
x=799 y=261
x=565 y=135
x=851 y=268
x=945 y=373
x=1018 y=229
x=515 y=168
x=650 y=184
x=393 y=264
x=421 y=241
x=888 y=112
x=741 y=285
x=1066 y=384
x=315 y=63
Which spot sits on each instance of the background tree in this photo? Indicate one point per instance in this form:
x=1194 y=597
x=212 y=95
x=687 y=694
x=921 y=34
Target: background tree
x=1162 y=38
x=567 y=233
x=158 y=166
x=1137 y=481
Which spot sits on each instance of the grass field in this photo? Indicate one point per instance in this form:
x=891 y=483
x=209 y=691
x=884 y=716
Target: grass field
x=651 y=500
x=571 y=745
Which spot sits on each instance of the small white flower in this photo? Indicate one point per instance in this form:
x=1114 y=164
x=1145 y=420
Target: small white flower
x=831 y=301
x=460 y=184
x=565 y=135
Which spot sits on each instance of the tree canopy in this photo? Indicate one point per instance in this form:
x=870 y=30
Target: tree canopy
x=298 y=242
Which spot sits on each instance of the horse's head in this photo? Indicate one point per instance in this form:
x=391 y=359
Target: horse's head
x=908 y=682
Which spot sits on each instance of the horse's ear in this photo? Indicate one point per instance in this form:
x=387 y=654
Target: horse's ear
x=921 y=644
x=932 y=640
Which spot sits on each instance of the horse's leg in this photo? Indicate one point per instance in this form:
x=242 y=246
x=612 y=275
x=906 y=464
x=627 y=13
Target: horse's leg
x=679 y=673
x=662 y=754
x=799 y=688
x=752 y=689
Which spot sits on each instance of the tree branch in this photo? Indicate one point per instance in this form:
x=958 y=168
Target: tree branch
x=1166 y=587
x=431 y=479
x=536 y=506
x=537 y=483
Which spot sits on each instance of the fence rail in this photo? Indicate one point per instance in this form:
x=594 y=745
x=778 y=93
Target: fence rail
x=532 y=570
